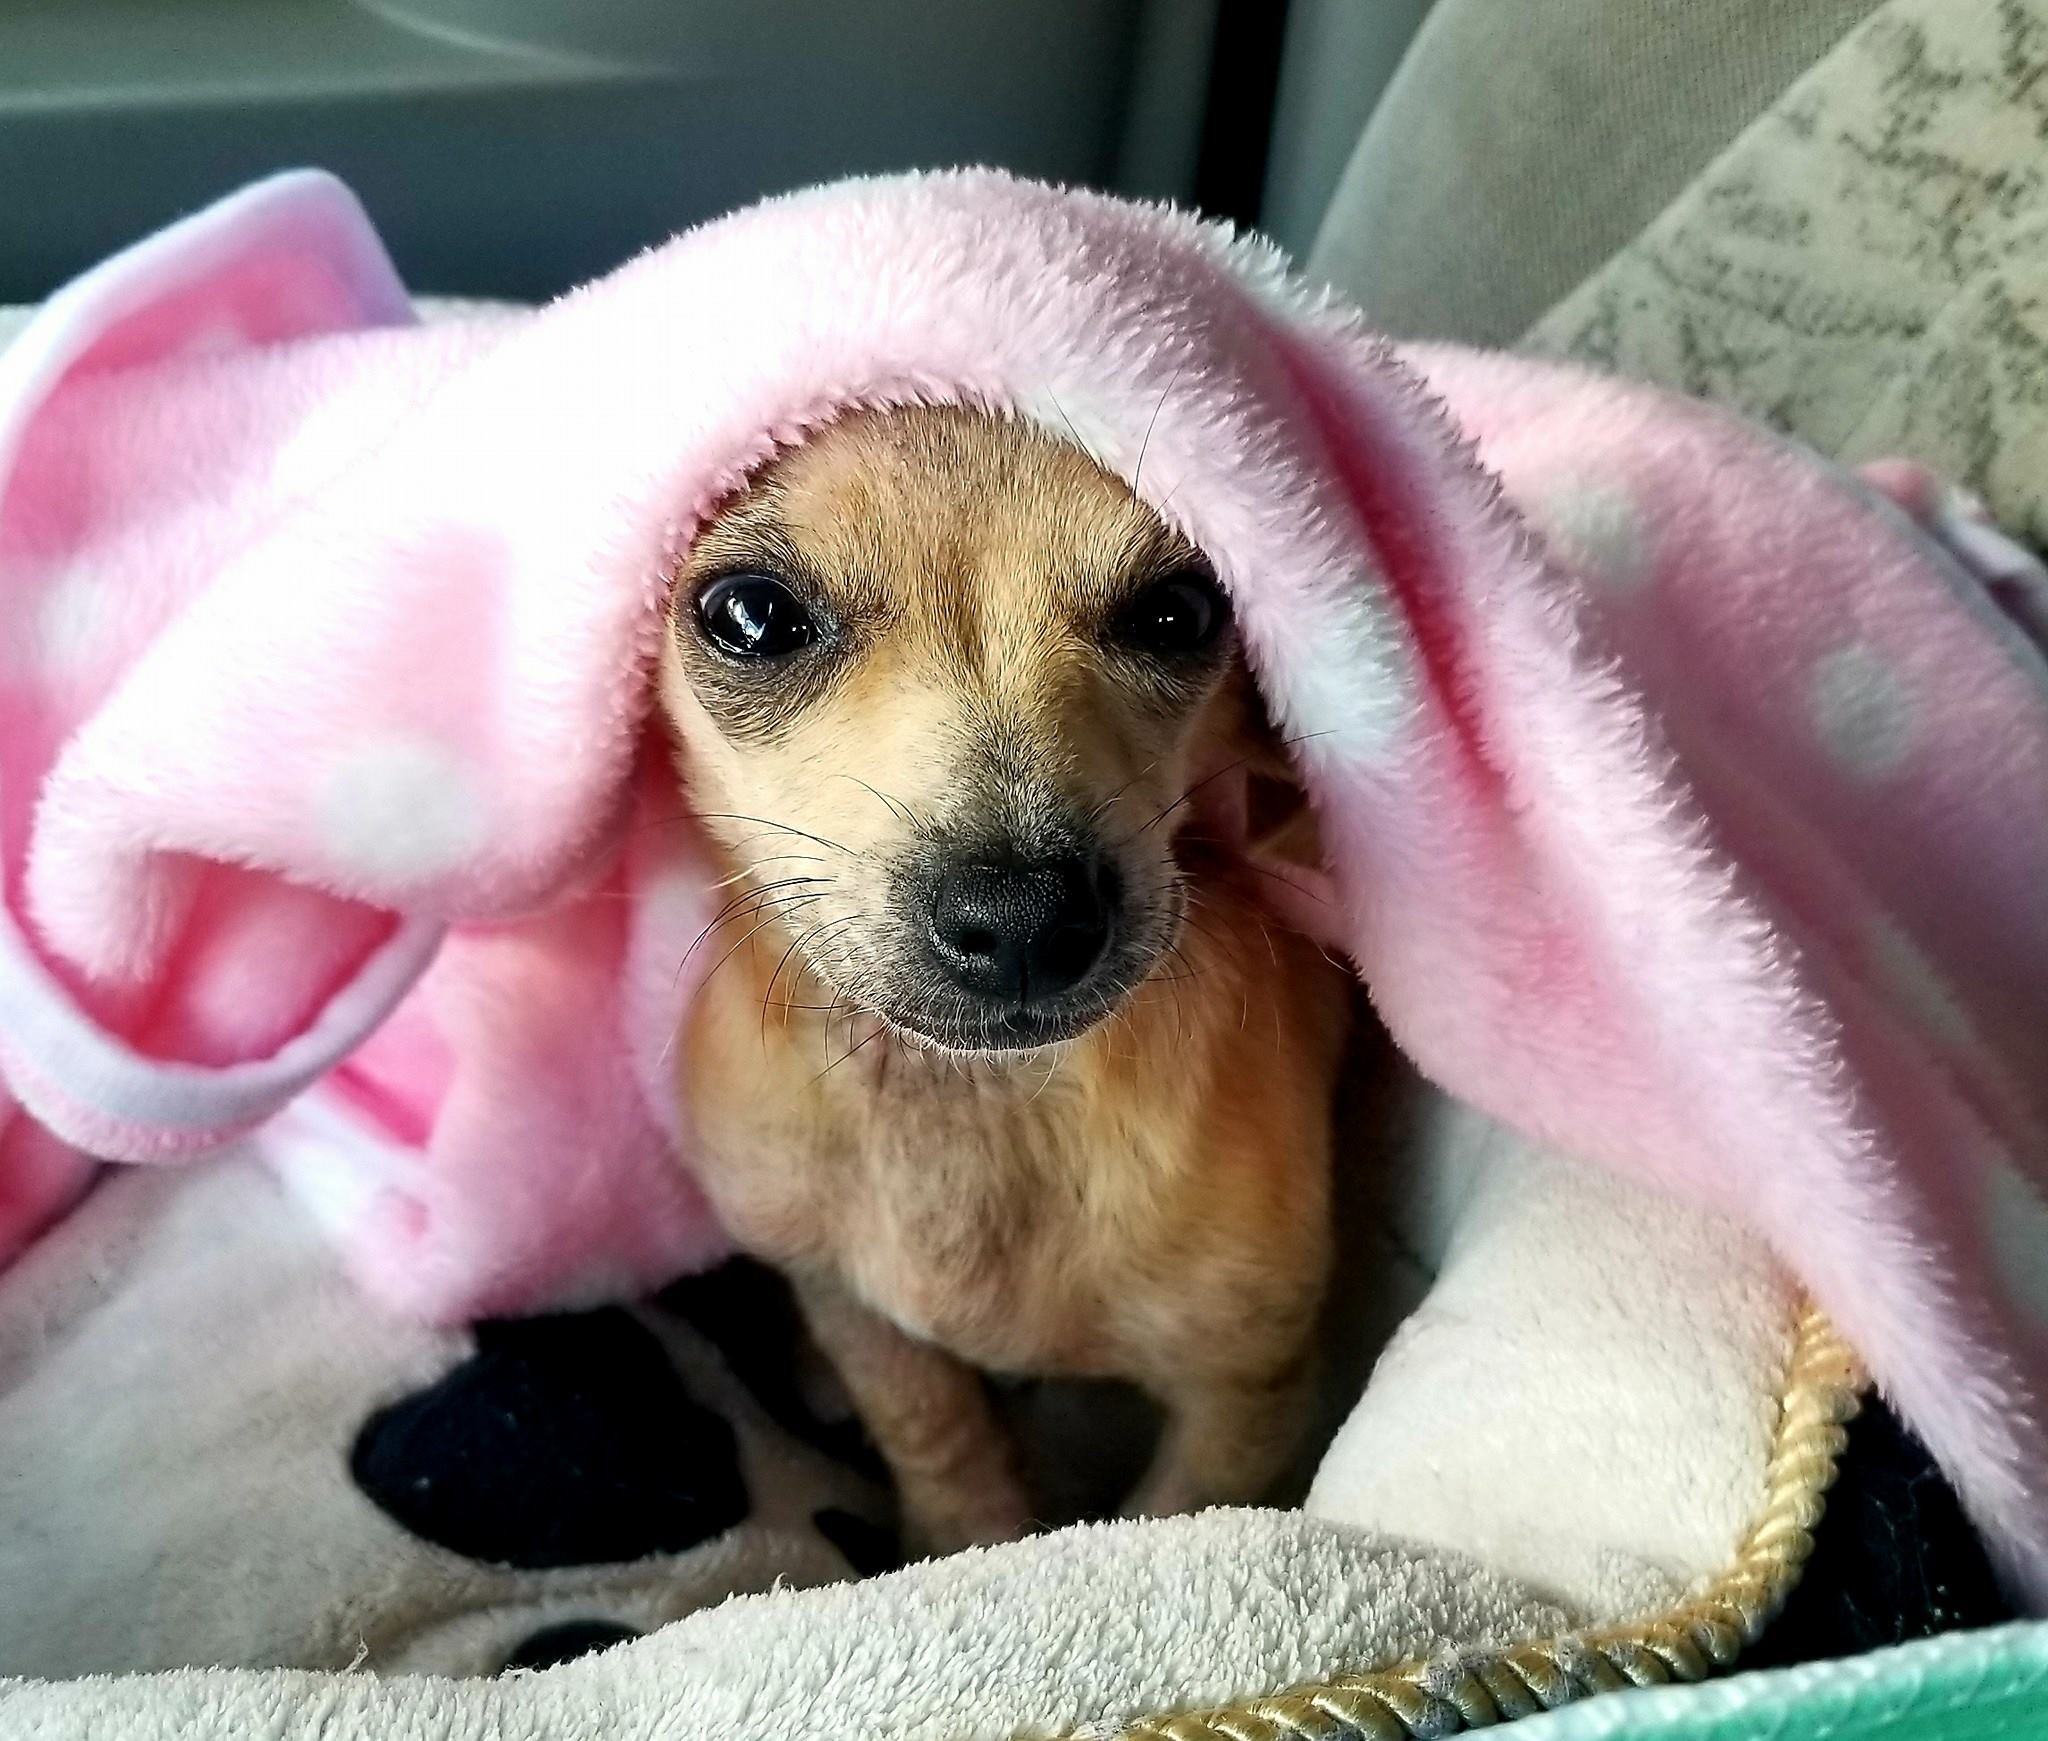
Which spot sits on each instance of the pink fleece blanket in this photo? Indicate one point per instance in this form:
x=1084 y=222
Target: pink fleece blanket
x=1686 y=799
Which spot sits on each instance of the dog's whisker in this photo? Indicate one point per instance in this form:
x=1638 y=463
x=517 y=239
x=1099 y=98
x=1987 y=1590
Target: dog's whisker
x=760 y=889
x=779 y=827
x=776 y=906
x=773 y=918
x=1161 y=816
x=768 y=991
x=1096 y=815
x=747 y=870
x=1229 y=941
x=1285 y=882
x=895 y=806
x=809 y=939
x=1052 y=1069
x=872 y=1034
x=733 y=909
x=801 y=942
x=1229 y=768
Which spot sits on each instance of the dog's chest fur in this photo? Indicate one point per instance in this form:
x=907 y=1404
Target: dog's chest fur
x=956 y=1199
x=1038 y=1215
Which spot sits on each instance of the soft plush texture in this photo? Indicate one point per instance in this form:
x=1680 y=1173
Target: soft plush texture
x=1632 y=1496
x=172 y=1489
x=175 y=1488
x=1115 y=1621
x=188 y=1389
x=212 y=1453
x=1680 y=792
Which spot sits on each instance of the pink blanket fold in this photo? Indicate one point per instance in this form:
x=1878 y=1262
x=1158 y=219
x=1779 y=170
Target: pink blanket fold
x=1686 y=798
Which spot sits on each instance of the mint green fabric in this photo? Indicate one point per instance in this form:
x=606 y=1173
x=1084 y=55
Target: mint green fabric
x=1964 y=1686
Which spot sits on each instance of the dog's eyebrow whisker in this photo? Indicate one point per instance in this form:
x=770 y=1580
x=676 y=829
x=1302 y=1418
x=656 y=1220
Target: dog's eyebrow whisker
x=1068 y=421
x=1138 y=470
x=1166 y=501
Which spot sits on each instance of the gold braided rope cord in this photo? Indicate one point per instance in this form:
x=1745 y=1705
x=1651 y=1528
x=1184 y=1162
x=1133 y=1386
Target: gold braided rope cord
x=1823 y=1384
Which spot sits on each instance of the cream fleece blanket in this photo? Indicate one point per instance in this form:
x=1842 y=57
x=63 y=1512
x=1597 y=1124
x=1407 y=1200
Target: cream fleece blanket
x=1536 y=1451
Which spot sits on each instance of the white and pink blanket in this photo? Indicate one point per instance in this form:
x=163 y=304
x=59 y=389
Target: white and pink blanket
x=1686 y=799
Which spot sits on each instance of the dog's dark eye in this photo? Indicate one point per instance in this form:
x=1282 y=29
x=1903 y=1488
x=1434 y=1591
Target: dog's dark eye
x=1179 y=614
x=755 y=616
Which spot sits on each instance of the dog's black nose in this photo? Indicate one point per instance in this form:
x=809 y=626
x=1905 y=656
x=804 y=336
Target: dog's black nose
x=1022 y=933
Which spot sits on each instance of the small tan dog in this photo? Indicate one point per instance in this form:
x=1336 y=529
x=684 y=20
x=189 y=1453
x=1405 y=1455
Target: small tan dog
x=1001 y=1060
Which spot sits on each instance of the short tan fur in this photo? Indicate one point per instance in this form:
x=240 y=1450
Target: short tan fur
x=1002 y=1059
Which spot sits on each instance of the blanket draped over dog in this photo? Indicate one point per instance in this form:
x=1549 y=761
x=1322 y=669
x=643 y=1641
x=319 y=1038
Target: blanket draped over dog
x=1685 y=799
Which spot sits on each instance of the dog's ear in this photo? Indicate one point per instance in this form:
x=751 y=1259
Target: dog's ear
x=1252 y=806
x=1251 y=797
x=1279 y=822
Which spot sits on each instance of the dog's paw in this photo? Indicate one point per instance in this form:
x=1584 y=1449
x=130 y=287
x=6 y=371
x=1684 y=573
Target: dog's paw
x=1163 y=1496
x=945 y=1523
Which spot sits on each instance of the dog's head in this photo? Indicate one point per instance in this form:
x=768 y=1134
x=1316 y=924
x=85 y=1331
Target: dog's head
x=949 y=695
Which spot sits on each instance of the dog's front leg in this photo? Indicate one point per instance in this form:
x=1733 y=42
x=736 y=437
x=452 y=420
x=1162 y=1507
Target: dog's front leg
x=1227 y=1439
x=957 y=1482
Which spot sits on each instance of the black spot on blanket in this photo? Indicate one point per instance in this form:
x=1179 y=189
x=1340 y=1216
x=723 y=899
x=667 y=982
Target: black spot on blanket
x=563 y=1441
x=1894 y=1557
x=564 y=1643
x=748 y=1313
